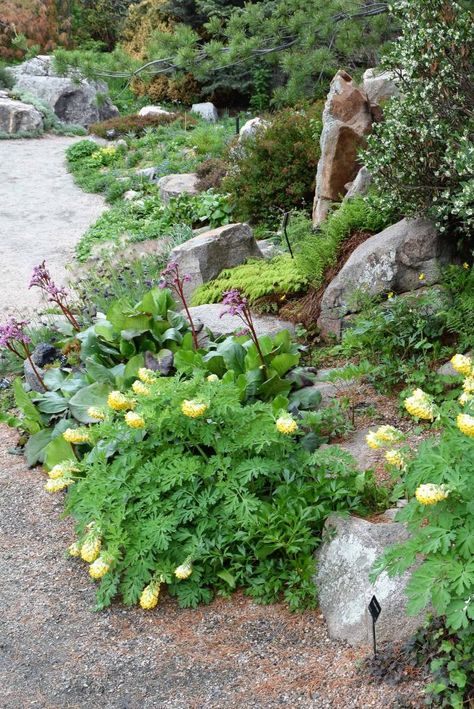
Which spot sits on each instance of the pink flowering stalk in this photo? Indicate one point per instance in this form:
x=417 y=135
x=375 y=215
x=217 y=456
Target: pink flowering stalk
x=237 y=304
x=14 y=338
x=171 y=278
x=41 y=278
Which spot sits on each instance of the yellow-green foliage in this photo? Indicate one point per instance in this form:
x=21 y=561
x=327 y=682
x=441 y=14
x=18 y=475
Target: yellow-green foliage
x=142 y=20
x=255 y=279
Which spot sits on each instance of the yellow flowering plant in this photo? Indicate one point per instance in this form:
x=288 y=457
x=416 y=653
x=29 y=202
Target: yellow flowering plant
x=440 y=513
x=210 y=495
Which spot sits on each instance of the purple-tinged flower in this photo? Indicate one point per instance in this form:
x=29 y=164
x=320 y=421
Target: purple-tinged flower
x=13 y=331
x=41 y=278
x=172 y=279
x=236 y=303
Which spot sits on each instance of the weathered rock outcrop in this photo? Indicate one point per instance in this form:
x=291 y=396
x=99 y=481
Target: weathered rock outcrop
x=347 y=119
x=361 y=184
x=206 y=255
x=344 y=590
x=72 y=98
x=206 y=110
x=16 y=116
x=174 y=185
x=392 y=260
x=379 y=86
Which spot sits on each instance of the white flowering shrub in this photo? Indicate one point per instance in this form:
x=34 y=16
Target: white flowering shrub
x=422 y=154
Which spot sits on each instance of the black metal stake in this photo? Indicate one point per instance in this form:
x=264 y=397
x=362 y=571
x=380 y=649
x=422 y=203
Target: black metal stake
x=237 y=124
x=374 y=609
x=286 y=219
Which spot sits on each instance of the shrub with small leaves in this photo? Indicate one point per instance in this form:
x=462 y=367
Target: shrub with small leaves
x=422 y=155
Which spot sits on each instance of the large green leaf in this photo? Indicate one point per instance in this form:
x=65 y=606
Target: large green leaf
x=34 y=449
x=51 y=403
x=282 y=363
x=33 y=420
x=305 y=399
x=274 y=386
x=233 y=354
x=156 y=302
x=54 y=379
x=133 y=365
x=57 y=451
x=94 y=395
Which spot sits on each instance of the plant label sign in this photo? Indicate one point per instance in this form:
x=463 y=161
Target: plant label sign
x=374 y=609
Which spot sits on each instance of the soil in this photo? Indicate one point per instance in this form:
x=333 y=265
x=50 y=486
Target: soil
x=56 y=653
x=42 y=216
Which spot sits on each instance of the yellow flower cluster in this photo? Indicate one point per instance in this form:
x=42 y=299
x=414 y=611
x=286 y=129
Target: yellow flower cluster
x=382 y=436
x=100 y=566
x=58 y=484
x=183 y=571
x=139 y=388
x=466 y=398
x=96 y=414
x=212 y=378
x=394 y=457
x=430 y=494
x=74 y=549
x=465 y=424
x=462 y=364
x=134 y=420
x=286 y=424
x=147 y=376
x=119 y=402
x=468 y=385
x=62 y=469
x=150 y=595
x=76 y=435
x=90 y=550
x=193 y=409
x=421 y=405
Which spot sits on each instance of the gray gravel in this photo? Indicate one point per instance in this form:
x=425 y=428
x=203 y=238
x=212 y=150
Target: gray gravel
x=42 y=216
x=56 y=653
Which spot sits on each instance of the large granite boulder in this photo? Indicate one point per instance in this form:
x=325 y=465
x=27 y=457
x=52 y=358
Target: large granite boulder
x=16 y=116
x=379 y=86
x=347 y=119
x=206 y=110
x=174 y=185
x=72 y=98
x=345 y=560
x=208 y=317
x=393 y=260
x=206 y=255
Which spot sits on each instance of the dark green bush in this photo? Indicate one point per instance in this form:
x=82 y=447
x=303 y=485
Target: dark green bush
x=275 y=169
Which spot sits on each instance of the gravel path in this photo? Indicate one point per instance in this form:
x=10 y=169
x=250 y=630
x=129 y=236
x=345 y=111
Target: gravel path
x=55 y=653
x=42 y=216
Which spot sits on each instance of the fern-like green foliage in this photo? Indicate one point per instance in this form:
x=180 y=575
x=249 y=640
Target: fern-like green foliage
x=318 y=251
x=459 y=280
x=225 y=490
x=255 y=279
